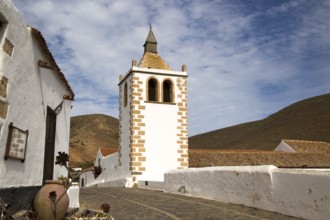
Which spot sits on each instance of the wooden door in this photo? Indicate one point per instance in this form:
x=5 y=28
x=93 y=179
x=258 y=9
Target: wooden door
x=49 y=145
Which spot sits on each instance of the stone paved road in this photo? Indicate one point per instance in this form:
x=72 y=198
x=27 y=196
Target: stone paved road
x=144 y=204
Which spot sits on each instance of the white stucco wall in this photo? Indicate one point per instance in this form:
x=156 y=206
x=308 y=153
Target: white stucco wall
x=125 y=125
x=161 y=122
x=160 y=141
x=30 y=90
x=111 y=172
x=300 y=193
x=73 y=193
x=161 y=126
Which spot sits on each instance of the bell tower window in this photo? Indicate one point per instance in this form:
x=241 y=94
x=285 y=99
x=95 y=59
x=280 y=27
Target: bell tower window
x=152 y=90
x=167 y=91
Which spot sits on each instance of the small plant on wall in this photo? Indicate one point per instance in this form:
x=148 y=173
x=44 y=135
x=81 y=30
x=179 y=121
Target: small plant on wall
x=62 y=159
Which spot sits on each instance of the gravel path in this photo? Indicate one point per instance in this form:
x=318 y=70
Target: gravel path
x=148 y=204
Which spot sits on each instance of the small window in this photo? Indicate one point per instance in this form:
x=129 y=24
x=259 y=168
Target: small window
x=167 y=91
x=125 y=95
x=152 y=90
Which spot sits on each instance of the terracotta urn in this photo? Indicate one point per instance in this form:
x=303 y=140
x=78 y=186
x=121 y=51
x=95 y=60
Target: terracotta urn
x=43 y=204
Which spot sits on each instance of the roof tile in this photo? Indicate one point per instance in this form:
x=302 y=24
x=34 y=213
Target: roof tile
x=153 y=60
x=301 y=146
x=106 y=151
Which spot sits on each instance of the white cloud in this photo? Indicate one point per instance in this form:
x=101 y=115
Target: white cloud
x=245 y=60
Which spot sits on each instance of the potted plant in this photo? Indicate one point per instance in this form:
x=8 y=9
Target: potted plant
x=52 y=200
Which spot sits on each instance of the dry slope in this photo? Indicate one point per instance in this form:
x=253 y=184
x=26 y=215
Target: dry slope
x=308 y=119
x=89 y=133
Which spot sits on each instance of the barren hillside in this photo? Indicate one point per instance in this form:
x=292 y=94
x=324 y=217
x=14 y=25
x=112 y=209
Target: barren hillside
x=308 y=119
x=89 y=133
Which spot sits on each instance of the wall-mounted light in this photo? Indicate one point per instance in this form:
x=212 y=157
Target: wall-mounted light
x=58 y=109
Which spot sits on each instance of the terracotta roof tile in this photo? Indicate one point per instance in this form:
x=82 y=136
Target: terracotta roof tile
x=106 y=151
x=153 y=60
x=209 y=158
x=301 y=146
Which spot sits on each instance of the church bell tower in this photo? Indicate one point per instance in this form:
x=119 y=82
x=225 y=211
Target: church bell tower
x=153 y=117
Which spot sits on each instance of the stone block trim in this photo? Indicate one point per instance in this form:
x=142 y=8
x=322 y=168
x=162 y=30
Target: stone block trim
x=3 y=87
x=3 y=97
x=182 y=135
x=8 y=47
x=120 y=124
x=137 y=125
x=3 y=109
x=121 y=109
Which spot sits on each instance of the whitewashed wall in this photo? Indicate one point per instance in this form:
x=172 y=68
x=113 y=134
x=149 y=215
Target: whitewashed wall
x=161 y=122
x=300 y=193
x=30 y=90
x=125 y=125
x=160 y=126
x=160 y=141
x=73 y=193
x=112 y=174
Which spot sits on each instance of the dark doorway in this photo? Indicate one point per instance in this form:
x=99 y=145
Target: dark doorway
x=49 y=145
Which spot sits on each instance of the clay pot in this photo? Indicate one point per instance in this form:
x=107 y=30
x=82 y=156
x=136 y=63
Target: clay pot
x=43 y=205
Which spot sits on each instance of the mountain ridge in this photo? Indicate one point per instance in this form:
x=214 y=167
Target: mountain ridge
x=308 y=119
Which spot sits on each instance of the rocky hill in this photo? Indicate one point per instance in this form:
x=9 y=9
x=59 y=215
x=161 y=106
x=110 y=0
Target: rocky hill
x=89 y=133
x=308 y=119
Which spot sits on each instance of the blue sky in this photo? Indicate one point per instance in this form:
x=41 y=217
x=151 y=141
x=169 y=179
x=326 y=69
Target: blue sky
x=245 y=59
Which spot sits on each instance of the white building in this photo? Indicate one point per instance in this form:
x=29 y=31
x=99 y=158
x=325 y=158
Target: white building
x=107 y=158
x=35 y=105
x=153 y=122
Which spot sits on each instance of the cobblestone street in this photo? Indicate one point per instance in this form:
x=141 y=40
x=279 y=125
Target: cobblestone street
x=148 y=204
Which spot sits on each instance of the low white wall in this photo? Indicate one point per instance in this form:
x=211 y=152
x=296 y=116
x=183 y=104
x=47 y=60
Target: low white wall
x=112 y=174
x=73 y=193
x=302 y=193
x=299 y=193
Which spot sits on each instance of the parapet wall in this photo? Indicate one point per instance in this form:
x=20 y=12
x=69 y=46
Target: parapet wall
x=295 y=192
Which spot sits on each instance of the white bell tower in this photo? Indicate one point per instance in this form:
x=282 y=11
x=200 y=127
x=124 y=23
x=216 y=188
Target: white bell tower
x=153 y=117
